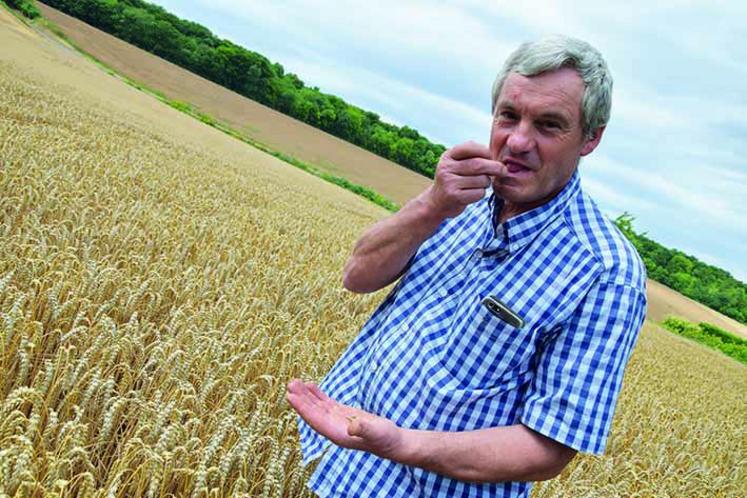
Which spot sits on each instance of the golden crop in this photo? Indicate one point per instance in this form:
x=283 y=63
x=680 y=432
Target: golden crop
x=156 y=295
x=155 y=301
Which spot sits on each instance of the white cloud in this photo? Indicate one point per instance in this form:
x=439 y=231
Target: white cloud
x=388 y=26
x=614 y=201
x=670 y=190
x=637 y=107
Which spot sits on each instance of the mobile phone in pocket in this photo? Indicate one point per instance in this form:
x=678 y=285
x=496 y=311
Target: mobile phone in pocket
x=499 y=309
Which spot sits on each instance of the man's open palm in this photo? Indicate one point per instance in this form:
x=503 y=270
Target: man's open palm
x=344 y=425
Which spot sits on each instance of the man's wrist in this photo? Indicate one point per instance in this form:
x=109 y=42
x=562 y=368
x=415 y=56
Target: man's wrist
x=409 y=448
x=427 y=209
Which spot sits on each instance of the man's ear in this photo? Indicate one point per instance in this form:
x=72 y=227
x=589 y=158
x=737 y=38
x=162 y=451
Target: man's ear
x=592 y=141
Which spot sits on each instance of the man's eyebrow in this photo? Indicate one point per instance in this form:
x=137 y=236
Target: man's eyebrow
x=504 y=104
x=548 y=115
x=554 y=116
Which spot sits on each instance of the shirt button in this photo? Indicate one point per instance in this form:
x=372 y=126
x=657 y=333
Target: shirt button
x=374 y=365
x=406 y=327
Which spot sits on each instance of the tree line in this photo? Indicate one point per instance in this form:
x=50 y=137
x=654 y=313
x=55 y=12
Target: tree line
x=707 y=284
x=194 y=47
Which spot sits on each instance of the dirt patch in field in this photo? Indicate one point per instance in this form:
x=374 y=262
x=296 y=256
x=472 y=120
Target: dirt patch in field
x=663 y=301
x=261 y=123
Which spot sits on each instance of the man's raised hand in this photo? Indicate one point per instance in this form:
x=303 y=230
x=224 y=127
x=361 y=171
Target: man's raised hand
x=463 y=174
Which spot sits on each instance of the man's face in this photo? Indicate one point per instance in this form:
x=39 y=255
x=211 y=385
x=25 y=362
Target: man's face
x=537 y=133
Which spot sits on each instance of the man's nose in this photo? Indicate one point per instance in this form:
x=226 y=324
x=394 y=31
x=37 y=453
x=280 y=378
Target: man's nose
x=521 y=139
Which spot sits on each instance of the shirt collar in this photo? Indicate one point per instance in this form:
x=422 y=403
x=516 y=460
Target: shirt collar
x=521 y=229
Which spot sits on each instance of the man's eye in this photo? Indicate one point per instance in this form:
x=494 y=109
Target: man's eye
x=508 y=115
x=550 y=125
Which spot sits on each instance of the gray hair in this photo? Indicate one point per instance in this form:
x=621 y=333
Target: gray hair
x=556 y=52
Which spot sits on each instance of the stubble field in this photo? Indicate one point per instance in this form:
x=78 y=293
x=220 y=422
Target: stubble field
x=160 y=282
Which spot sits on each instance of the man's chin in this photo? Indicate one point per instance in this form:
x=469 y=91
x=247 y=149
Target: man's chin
x=510 y=190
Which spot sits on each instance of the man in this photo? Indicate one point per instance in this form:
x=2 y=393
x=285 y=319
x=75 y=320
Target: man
x=440 y=395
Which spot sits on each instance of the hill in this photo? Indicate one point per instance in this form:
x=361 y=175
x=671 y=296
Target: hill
x=195 y=48
x=253 y=119
x=664 y=302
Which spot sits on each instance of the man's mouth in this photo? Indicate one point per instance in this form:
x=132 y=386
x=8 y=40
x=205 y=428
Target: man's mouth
x=516 y=166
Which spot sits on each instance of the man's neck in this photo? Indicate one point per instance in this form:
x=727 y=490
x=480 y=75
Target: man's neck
x=507 y=211
x=510 y=210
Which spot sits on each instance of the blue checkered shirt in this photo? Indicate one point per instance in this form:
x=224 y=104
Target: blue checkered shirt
x=432 y=357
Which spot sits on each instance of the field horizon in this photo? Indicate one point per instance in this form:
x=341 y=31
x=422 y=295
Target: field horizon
x=161 y=281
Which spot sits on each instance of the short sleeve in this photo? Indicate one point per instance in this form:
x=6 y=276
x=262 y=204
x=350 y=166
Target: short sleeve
x=573 y=394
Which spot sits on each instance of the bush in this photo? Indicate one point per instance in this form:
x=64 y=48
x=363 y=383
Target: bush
x=25 y=7
x=725 y=336
x=709 y=335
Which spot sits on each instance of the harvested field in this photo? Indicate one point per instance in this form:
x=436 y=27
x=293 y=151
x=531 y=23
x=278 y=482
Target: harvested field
x=254 y=120
x=160 y=282
x=663 y=302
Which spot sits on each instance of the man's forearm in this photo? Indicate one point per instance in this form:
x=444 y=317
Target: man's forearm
x=382 y=252
x=462 y=175
x=512 y=453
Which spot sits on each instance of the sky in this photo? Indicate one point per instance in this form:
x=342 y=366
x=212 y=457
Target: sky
x=674 y=154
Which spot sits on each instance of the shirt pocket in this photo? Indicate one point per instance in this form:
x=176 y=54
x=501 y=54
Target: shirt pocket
x=484 y=352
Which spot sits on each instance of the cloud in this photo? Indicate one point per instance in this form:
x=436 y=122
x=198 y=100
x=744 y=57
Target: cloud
x=674 y=153
x=386 y=26
x=613 y=200
x=670 y=190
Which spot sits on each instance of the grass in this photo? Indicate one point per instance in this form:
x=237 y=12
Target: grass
x=709 y=335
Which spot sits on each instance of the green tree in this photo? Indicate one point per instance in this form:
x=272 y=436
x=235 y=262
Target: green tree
x=25 y=7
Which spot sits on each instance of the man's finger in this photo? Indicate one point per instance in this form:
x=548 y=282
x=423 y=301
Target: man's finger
x=356 y=427
x=479 y=166
x=295 y=386
x=315 y=415
x=316 y=391
x=477 y=181
x=303 y=394
x=302 y=406
x=308 y=389
x=468 y=150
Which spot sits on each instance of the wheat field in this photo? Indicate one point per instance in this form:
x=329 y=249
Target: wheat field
x=153 y=309
x=160 y=283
